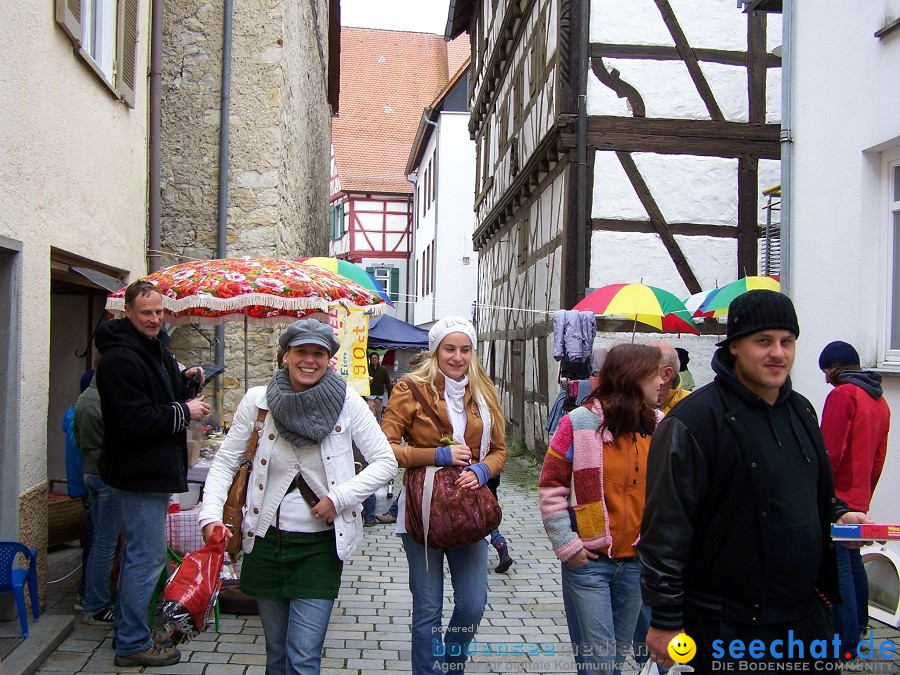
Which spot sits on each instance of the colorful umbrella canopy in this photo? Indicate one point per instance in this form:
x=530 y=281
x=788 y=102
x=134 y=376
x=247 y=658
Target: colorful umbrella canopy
x=694 y=302
x=260 y=289
x=648 y=304
x=351 y=271
x=718 y=302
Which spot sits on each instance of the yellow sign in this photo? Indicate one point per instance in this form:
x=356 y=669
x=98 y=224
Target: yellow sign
x=351 y=327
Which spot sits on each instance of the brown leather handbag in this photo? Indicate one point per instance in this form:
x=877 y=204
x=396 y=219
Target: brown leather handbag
x=440 y=514
x=233 y=510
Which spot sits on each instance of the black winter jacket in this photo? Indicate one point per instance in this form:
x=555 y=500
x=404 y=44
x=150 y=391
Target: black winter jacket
x=142 y=394
x=704 y=533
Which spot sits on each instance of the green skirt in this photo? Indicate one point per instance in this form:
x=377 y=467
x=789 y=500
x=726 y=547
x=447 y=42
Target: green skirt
x=306 y=566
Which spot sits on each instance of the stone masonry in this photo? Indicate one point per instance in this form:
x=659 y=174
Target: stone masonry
x=280 y=138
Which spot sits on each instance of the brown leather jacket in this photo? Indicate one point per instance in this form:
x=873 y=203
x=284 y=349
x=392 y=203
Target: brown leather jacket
x=404 y=418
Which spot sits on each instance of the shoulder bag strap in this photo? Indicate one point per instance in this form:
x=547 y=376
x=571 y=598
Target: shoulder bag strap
x=428 y=409
x=253 y=443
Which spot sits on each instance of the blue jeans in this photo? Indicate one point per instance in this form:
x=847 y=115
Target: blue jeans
x=852 y=616
x=395 y=505
x=295 y=633
x=602 y=599
x=369 y=507
x=468 y=575
x=106 y=518
x=143 y=560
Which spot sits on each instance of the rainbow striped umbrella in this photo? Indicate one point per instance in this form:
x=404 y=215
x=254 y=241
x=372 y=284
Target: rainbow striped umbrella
x=648 y=304
x=351 y=271
x=718 y=302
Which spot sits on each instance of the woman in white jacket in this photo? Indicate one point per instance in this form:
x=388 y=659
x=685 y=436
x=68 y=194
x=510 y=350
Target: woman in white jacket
x=303 y=515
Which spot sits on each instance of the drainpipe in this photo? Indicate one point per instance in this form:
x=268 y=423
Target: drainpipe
x=224 y=128
x=787 y=140
x=156 y=24
x=581 y=168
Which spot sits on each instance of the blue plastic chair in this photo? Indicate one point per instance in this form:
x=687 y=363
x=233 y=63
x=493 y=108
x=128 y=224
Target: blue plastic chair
x=12 y=579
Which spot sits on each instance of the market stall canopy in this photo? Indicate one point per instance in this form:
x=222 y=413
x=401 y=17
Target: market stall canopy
x=386 y=332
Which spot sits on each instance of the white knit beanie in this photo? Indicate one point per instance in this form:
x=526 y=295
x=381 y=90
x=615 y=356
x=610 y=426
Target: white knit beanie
x=447 y=325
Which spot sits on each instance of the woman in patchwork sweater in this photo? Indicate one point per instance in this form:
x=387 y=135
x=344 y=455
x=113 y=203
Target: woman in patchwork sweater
x=592 y=497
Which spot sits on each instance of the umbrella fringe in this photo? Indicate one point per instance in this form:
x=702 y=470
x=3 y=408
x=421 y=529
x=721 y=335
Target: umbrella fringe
x=239 y=302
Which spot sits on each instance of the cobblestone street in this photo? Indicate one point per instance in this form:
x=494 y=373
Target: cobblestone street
x=369 y=631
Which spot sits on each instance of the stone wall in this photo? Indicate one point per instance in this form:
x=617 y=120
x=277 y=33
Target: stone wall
x=280 y=136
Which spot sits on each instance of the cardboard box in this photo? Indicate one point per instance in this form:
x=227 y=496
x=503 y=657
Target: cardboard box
x=864 y=532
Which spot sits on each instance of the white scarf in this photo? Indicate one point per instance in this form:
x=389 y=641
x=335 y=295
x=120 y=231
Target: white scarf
x=454 y=395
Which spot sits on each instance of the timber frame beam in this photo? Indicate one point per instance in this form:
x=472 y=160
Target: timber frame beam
x=712 y=138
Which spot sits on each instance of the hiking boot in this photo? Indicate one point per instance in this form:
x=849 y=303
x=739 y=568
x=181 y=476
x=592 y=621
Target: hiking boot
x=386 y=518
x=370 y=522
x=155 y=655
x=505 y=561
x=102 y=618
x=162 y=638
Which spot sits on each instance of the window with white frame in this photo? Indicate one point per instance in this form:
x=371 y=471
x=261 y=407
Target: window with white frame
x=105 y=36
x=892 y=204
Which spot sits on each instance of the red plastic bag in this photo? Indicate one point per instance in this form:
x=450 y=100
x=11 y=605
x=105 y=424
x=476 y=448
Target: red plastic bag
x=191 y=592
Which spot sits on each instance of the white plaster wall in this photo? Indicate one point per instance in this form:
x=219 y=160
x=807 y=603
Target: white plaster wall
x=687 y=188
x=666 y=86
x=637 y=257
x=845 y=117
x=74 y=173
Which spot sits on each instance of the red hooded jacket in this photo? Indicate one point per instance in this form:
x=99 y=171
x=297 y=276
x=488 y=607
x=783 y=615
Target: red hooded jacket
x=855 y=424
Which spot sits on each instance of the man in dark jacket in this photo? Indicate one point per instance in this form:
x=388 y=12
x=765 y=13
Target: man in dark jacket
x=735 y=538
x=379 y=385
x=144 y=456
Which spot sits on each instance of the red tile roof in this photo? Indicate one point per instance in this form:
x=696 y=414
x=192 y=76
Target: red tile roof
x=387 y=79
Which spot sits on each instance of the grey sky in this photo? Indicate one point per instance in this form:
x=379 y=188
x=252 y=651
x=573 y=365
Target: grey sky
x=426 y=16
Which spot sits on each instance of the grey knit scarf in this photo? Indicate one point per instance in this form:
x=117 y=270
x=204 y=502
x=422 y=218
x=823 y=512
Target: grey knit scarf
x=305 y=417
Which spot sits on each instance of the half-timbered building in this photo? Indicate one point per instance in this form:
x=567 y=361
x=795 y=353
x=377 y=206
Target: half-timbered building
x=387 y=78
x=617 y=141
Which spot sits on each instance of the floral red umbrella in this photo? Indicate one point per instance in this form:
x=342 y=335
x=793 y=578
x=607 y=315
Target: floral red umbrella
x=250 y=289
x=258 y=289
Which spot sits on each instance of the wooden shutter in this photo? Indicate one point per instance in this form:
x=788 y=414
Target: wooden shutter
x=126 y=50
x=68 y=15
x=395 y=284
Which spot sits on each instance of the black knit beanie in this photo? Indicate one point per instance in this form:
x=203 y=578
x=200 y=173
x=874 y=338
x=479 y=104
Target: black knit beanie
x=758 y=310
x=838 y=353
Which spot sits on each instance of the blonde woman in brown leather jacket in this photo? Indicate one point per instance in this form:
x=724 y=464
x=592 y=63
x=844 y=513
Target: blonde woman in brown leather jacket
x=455 y=384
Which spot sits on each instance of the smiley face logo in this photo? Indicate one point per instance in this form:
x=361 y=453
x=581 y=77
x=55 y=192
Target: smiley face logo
x=682 y=648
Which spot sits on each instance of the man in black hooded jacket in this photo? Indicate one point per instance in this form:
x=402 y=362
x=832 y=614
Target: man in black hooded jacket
x=735 y=538
x=143 y=397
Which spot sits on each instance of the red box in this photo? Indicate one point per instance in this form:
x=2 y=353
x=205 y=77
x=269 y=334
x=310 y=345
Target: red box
x=864 y=531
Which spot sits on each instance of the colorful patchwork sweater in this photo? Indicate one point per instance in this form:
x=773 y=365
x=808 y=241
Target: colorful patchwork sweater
x=592 y=486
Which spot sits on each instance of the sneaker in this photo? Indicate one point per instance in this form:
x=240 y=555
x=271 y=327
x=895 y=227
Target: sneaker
x=386 y=518
x=78 y=600
x=370 y=522
x=155 y=655
x=102 y=618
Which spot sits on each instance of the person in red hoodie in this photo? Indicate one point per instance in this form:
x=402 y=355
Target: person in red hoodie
x=855 y=424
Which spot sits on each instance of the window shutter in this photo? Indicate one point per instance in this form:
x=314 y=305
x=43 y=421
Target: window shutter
x=395 y=284
x=126 y=50
x=68 y=15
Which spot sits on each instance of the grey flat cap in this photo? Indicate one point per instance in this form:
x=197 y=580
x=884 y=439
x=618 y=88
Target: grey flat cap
x=309 y=332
